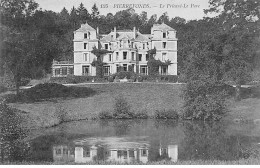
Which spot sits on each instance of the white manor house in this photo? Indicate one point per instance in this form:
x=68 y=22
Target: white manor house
x=128 y=48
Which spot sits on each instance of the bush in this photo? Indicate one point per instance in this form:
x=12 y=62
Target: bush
x=105 y=115
x=124 y=74
x=140 y=79
x=110 y=79
x=48 y=91
x=2 y=88
x=122 y=109
x=141 y=115
x=166 y=114
x=204 y=99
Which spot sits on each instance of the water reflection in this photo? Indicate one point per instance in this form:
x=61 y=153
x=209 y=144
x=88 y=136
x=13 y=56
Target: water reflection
x=114 y=149
x=129 y=141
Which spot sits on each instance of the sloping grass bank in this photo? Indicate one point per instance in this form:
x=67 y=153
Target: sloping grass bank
x=141 y=97
x=147 y=100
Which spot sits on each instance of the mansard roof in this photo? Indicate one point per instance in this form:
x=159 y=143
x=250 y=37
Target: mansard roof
x=125 y=35
x=85 y=27
x=162 y=26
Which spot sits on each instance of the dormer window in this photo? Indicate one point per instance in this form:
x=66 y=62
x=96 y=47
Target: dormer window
x=164 y=35
x=85 y=35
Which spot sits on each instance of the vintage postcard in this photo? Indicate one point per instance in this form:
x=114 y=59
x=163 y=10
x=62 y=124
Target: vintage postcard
x=139 y=82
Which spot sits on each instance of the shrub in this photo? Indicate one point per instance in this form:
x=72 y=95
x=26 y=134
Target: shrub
x=140 y=79
x=124 y=74
x=50 y=90
x=133 y=78
x=2 y=88
x=141 y=115
x=122 y=109
x=61 y=113
x=110 y=79
x=166 y=114
x=105 y=115
x=204 y=99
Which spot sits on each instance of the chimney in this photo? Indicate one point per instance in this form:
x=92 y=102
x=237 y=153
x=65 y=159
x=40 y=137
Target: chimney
x=134 y=32
x=115 y=30
x=97 y=31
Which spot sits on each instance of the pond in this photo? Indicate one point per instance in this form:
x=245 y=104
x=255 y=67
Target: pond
x=129 y=141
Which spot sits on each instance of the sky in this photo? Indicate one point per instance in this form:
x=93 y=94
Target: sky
x=187 y=9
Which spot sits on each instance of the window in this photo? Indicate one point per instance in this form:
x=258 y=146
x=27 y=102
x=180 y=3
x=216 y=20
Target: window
x=133 y=67
x=140 y=57
x=85 y=45
x=143 y=70
x=164 y=70
x=106 y=70
x=164 y=35
x=58 y=151
x=147 y=57
x=122 y=153
x=131 y=153
x=71 y=71
x=57 y=71
x=124 y=67
x=106 y=46
x=124 y=55
x=85 y=35
x=125 y=154
x=164 y=44
x=164 y=151
x=163 y=56
x=86 y=152
x=108 y=153
x=85 y=70
x=64 y=70
x=117 y=56
x=117 y=68
x=133 y=56
x=143 y=152
x=143 y=45
x=85 y=57
x=65 y=151
x=132 y=44
x=110 y=57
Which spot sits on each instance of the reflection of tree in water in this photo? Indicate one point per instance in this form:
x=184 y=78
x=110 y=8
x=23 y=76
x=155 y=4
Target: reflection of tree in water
x=12 y=147
x=123 y=127
x=165 y=124
x=210 y=141
x=161 y=139
x=102 y=154
x=41 y=147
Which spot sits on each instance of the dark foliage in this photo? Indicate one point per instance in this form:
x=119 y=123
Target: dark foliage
x=166 y=114
x=124 y=74
x=48 y=91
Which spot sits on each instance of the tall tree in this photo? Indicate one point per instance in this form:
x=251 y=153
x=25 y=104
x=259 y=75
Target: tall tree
x=16 y=39
x=83 y=14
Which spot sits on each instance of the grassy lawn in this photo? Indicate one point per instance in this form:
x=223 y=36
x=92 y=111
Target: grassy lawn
x=141 y=96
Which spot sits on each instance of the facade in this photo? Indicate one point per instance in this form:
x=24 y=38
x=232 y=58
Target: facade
x=128 y=50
